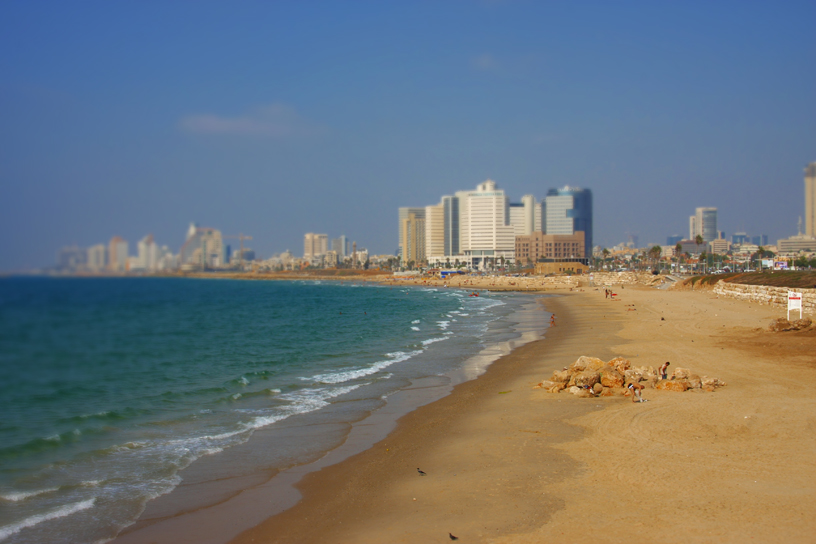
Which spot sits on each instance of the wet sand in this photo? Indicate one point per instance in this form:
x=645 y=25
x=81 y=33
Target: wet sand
x=509 y=463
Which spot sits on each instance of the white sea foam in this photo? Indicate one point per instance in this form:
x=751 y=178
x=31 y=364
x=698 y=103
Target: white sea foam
x=243 y=381
x=415 y=321
x=443 y=324
x=344 y=376
x=430 y=341
x=16 y=496
x=61 y=512
x=415 y=329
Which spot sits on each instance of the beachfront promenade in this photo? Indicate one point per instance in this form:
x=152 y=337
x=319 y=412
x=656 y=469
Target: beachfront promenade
x=506 y=462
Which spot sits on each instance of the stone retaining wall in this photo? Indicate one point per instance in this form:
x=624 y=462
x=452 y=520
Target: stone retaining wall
x=763 y=294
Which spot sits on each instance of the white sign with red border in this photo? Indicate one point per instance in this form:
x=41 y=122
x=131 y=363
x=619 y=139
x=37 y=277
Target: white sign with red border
x=794 y=303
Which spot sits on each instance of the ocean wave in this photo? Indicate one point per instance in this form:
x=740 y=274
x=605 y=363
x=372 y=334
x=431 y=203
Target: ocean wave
x=415 y=329
x=17 y=496
x=443 y=324
x=347 y=375
x=61 y=512
x=415 y=321
x=430 y=341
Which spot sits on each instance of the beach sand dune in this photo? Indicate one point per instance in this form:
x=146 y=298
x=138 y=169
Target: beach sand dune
x=509 y=463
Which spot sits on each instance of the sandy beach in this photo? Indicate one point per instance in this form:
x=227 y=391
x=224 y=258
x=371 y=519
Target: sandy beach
x=506 y=462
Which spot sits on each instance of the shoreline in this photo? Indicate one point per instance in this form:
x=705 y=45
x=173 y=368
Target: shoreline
x=207 y=509
x=345 y=492
x=509 y=464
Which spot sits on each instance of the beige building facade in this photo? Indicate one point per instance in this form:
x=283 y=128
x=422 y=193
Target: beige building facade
x=538 y=245
x=810 y=200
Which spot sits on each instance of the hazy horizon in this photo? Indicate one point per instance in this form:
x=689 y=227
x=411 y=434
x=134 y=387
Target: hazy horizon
x=277 y=119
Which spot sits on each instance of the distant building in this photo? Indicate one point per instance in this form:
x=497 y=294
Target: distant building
x=147 y=255
x=340 y=246
x=795 y=244
x=672 y=240
x=117 y=254
x=204 y=248
x=485 y=231
x=565 y=266
x=720 y=246
x=569 y=210
x=740 y=238
x=450 y=205
x=536 y=246
x=761 y=240
x=703 y=223
x=97 y=258
x=412 y=235
x=435 y=231
x=810 y=200
x=691 y=247
x=315 y=246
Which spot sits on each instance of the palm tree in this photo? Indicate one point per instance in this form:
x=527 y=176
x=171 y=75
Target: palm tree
x=678 y=249
x=703 y=257
x=655 y=254
x=760 y=252
x=605 y=255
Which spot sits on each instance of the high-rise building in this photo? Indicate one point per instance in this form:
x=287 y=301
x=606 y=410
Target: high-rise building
x=673 y=240
x=341 y=247
x=761 y=240
x=451 y=214
x=704 y=223
x=435 y=233
x=97 y=257
x=315 y=246
x=117 y=254
x=569 y=210
x=147 y=254
x=810 y=200
x=403 y=216
x=412 y=235
x=204 y=248
x=484 y=228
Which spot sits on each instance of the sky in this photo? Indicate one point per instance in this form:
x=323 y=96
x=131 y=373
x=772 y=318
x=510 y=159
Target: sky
x=274 y=119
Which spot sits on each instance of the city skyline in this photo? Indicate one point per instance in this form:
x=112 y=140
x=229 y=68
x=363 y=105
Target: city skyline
x=280 y=119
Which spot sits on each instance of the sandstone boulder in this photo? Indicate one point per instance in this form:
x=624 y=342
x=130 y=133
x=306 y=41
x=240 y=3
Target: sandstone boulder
x=598 y=388
x=574 y=389
x=612 y=378
x=586 y=363
x=558 y=387
x=673 y=385
x=588 y=377
x=612 y=391
x=782 y=324
x=650 y=381
x=547 y=384
x=633 y=375
x=585 y=394
x=681 y=373
x=620 y=364
x=695 y=382
x=560 y=376
x=801 y=324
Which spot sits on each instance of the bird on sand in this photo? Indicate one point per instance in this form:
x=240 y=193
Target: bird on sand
x=453 y=537
x=421 y=473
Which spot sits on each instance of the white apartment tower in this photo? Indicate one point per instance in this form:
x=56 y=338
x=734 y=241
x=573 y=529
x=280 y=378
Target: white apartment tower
x=315 y=246
x=435 y=233
x=484 y=227
x=704 y=223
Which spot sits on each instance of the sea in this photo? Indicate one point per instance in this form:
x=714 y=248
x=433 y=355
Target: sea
x=111 y=387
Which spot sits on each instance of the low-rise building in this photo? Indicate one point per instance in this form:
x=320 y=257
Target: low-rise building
x=538 y=245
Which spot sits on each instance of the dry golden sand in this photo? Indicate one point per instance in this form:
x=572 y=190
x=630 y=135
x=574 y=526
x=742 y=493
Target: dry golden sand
x=509 y=463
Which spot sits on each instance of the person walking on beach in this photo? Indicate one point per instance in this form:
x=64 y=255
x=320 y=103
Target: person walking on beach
x=552 y=320
x=664 y=370
x=636 y=389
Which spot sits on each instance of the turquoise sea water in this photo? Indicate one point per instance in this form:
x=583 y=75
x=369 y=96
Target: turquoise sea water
x=109 y=388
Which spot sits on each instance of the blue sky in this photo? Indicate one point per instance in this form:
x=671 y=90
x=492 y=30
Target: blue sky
x=280 y=118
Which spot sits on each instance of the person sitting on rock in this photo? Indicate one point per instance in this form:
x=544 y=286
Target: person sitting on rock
x=664 y=369
x=636 y=389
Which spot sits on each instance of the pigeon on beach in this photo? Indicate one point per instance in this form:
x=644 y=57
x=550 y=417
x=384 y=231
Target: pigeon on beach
x=421 y=473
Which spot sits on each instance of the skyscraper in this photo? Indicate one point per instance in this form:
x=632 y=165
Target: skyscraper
x=451 y=213
x=810 y=200
x=417 y=213
x=569 y=210
x=705 y=223
x=117 y=254
x=484 y=227
x=315 y=246
x=412 y=235
x=340 y=246
x=435 y=232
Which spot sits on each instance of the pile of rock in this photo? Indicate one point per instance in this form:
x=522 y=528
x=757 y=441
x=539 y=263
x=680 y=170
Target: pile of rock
x=592 y=377
x=783 y=325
